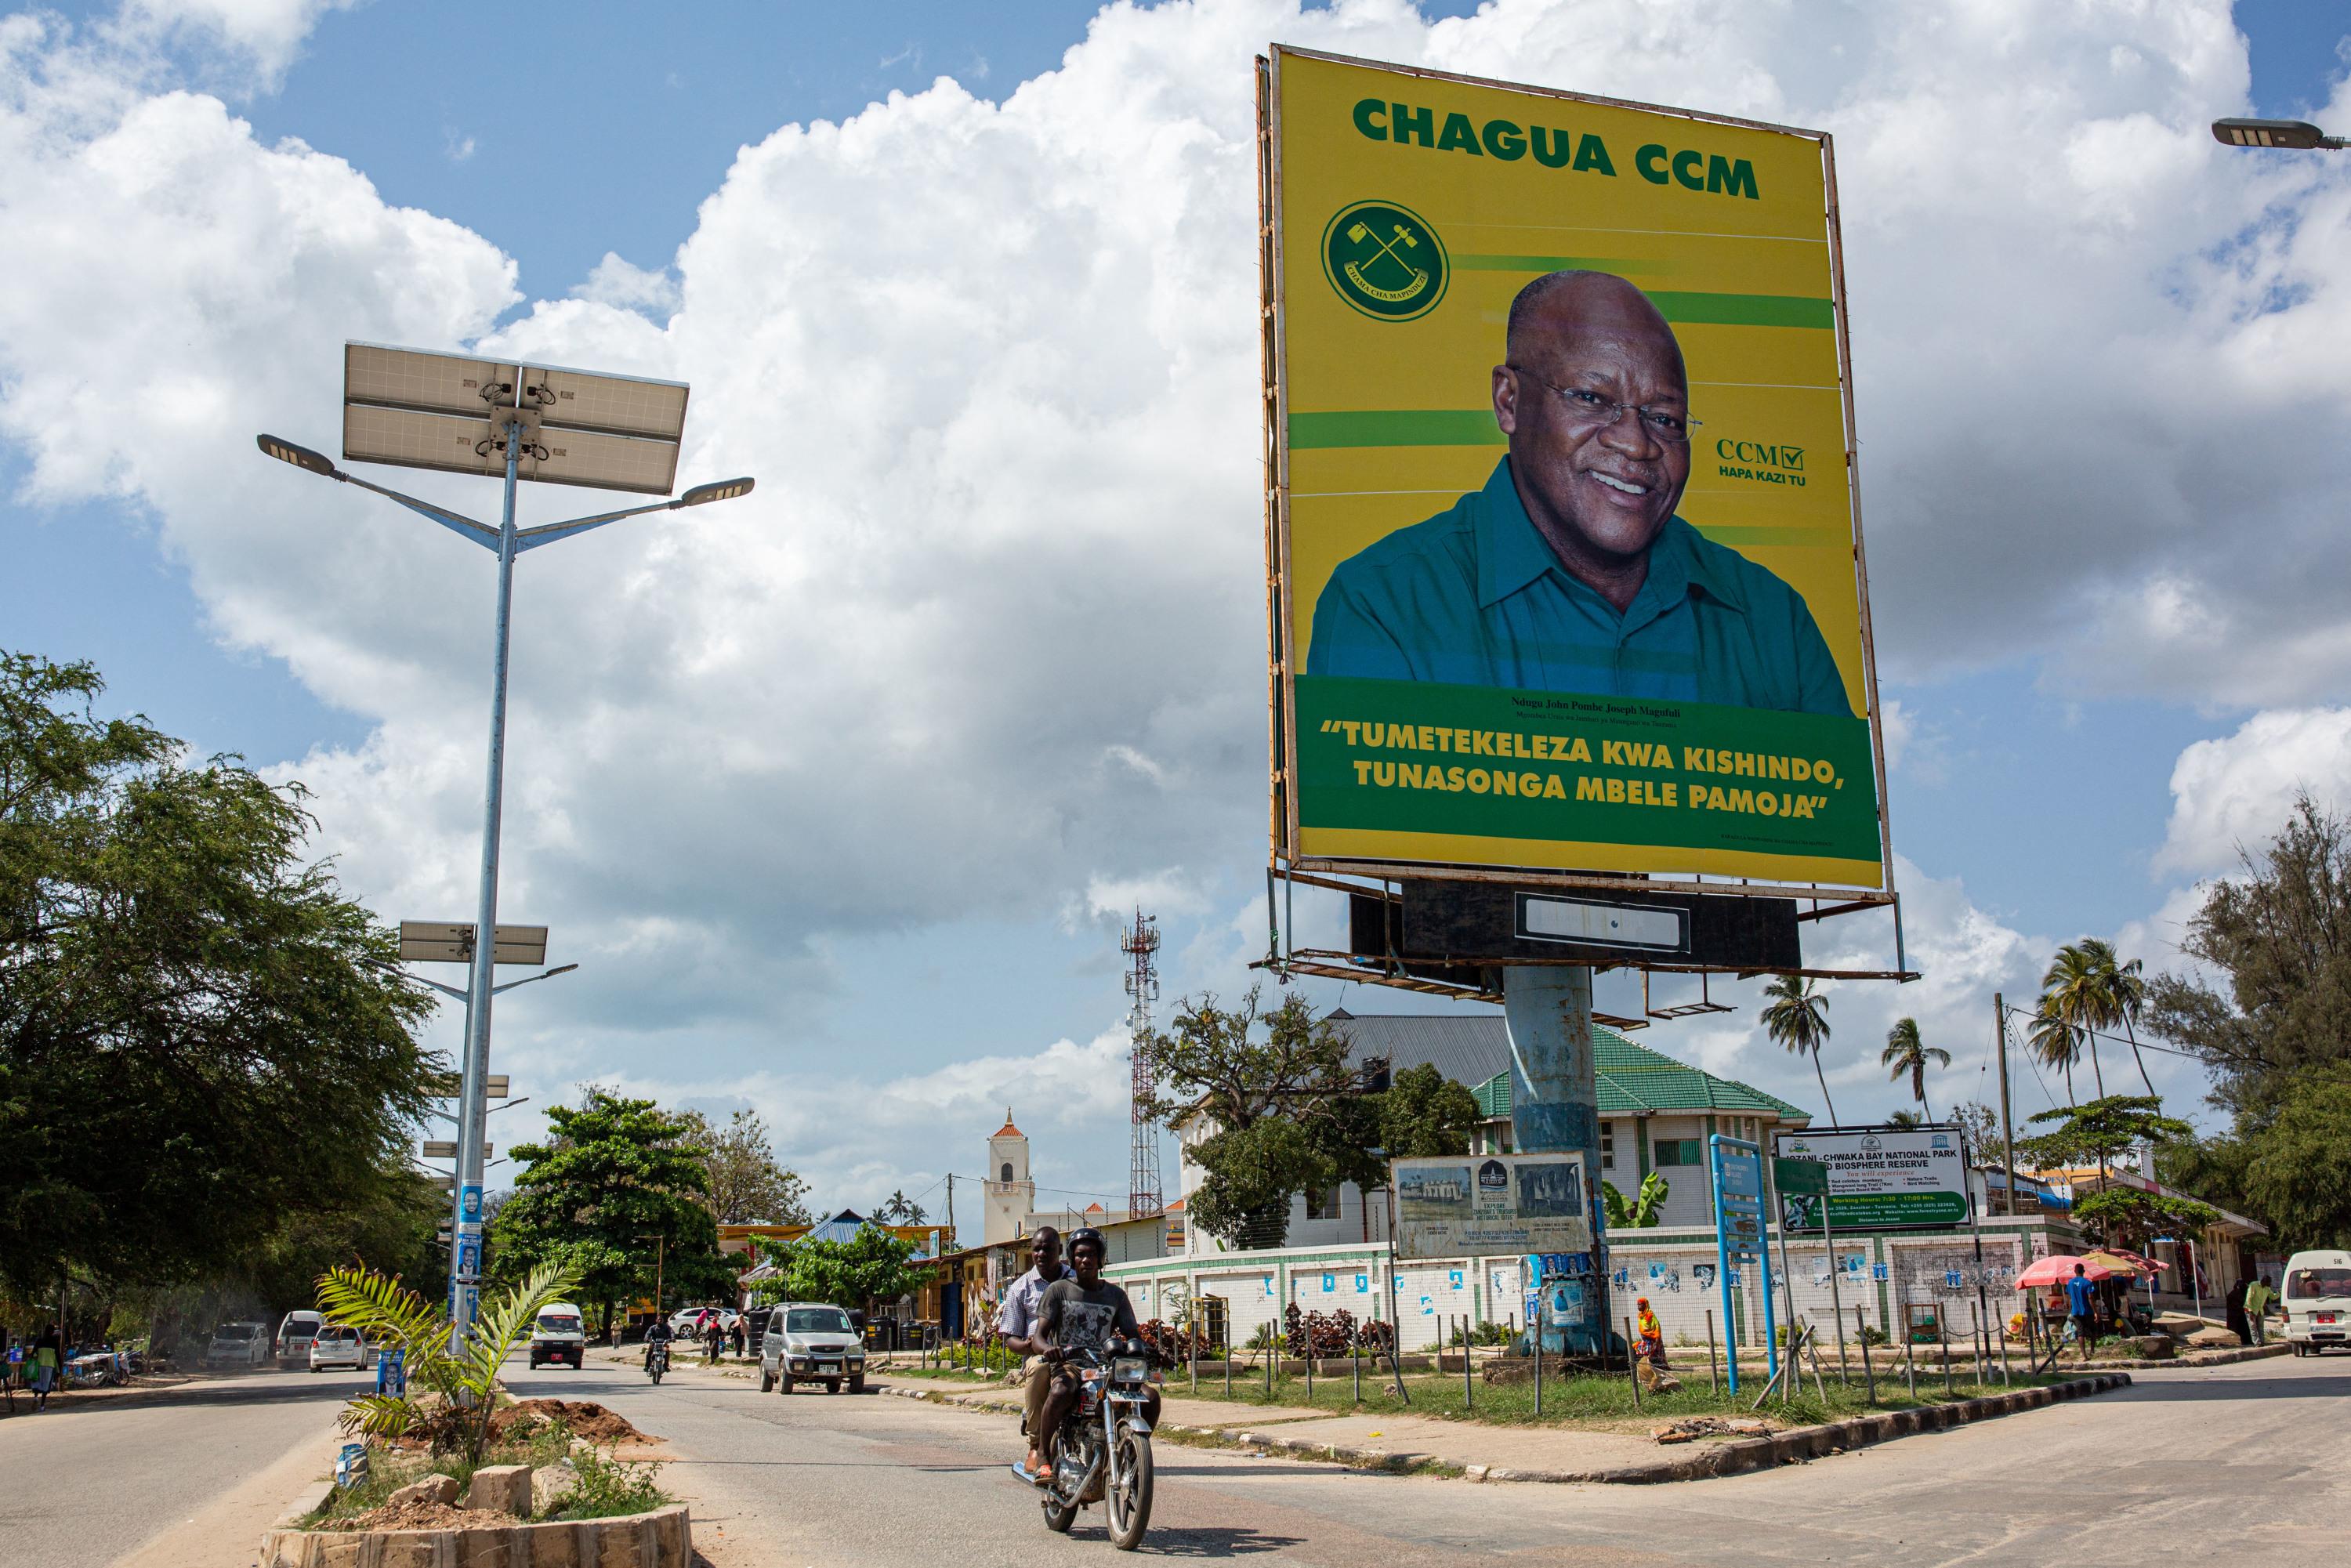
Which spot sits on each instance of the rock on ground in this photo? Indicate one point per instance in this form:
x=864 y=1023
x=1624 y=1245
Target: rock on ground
x=433 y=1490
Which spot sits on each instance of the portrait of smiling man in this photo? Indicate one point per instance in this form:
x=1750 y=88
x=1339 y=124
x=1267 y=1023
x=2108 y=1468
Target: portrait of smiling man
x=1570 y=571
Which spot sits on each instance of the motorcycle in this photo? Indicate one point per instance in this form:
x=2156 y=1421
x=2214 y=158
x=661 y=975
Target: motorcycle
x=1102 y=1453
x=657 y=1361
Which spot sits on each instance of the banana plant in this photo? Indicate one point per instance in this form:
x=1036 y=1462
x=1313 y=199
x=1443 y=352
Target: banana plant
x=1646 y=1212
x=390 y=1315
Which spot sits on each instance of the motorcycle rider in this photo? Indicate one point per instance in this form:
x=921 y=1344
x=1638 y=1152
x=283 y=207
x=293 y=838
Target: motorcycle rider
x=657 y=1332
x=1083 y=1312
x=1025 y=1336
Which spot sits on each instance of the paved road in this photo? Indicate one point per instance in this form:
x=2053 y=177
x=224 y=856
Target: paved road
x=91 y=1479
x=2187 y=1465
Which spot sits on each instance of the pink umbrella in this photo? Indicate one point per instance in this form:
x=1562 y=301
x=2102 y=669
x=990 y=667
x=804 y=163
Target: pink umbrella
x=2058 y=1268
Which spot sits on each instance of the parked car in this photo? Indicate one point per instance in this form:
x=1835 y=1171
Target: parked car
x=2317 y=1301
x=336 y=1346
x=239 y=1344
x=811 y=1341
x=556 y=1334
x=294 y=1336
x=684 y=1322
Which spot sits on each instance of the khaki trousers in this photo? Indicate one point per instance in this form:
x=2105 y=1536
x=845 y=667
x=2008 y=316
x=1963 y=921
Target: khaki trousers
x=1039 y=1375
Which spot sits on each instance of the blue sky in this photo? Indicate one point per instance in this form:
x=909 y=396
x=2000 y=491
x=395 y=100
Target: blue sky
x=2038 y=768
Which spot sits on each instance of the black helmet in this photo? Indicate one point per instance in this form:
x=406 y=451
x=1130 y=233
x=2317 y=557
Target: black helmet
x=1081 y=1237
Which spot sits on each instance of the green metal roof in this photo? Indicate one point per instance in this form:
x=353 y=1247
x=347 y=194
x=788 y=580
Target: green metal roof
x=1635 y=1080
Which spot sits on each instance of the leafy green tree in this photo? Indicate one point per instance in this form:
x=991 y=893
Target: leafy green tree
x=2278 y=1043
x=1289 y=1111
x=899 y=1210
x=2096 y=1134
x=2074 y=991
x=1980 y=1123
x=870 y=1267
x=746 y=1183
x=618 y=1198
x=1909 y=1055
x=1905 y=1118
x=2054 y=1041
x=201 y=1039
x=1797 y=1017
x=1425 y=1115
x=2281 y=933
x=1647 y=1209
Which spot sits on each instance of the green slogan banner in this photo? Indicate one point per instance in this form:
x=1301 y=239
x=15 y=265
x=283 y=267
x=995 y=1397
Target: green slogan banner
x=1875 y=1211
x=1412 y=756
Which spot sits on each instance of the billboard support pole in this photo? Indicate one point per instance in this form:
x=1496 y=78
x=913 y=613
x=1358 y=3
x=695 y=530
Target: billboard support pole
x=1554 y=1109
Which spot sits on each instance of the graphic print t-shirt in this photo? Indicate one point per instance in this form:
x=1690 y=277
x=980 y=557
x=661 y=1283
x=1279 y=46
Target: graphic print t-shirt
x=1075 y=1318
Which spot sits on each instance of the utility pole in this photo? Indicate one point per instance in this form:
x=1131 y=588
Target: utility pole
x=2007 y=1133
x=952 y=1237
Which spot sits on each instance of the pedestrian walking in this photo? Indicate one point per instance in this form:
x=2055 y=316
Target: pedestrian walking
x=2081 y=1306
x=738 y=1336
x=48 y=1361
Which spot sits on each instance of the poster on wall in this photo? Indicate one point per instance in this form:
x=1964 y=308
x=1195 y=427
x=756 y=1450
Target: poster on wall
x=1475 y=1205
x=1566 y=558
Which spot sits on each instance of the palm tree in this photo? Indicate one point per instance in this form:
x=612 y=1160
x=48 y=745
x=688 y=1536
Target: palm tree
x=1798 y=1018
x=1905 y=1052
x=2123 y=990
x=2076 y=991
x=2054 y=1042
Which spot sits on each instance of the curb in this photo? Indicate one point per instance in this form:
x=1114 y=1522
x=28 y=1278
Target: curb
x=660 y=1539
x=1714 y=1460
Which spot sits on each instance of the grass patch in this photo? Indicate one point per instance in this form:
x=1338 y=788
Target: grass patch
x=942 y=1374
x=1590 y=1400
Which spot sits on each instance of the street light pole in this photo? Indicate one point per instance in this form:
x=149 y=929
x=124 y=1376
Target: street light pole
x=472 y=1106
x=420 y=410
x=2284 y=135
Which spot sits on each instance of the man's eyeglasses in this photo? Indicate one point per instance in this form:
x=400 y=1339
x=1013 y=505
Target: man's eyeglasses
x=1591 y=411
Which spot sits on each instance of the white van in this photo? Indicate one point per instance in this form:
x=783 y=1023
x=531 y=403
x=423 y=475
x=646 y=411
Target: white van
x=556 y=1334
x=294 y=1337
x=2317 y=1301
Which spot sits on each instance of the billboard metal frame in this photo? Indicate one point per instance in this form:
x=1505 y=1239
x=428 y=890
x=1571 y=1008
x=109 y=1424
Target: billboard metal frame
x=1283 y=860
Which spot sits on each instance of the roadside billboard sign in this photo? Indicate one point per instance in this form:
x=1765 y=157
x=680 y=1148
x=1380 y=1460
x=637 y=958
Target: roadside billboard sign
x=1565 y=561
x=1879 y=1179
x=1481 y=1205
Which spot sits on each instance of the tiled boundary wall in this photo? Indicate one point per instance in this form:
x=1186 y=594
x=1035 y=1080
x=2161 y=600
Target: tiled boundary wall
x=1881 y=1275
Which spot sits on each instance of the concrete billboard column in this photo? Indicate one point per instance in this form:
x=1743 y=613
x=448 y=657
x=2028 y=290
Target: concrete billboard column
x=1555 y=1109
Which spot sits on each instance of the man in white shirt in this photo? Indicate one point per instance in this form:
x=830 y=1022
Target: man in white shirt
x=1023 y=1331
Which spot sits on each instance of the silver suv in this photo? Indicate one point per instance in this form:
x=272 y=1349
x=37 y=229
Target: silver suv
x=811 y=1341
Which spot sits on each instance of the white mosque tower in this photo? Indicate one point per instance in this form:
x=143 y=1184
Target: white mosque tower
x=1011 y=1195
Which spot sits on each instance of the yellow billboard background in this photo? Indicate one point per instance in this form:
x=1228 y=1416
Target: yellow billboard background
x=1387 y=423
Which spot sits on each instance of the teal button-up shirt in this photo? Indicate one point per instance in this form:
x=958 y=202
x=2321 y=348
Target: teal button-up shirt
x=1474 y=597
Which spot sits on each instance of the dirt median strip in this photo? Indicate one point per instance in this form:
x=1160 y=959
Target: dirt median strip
x=1698 y=1462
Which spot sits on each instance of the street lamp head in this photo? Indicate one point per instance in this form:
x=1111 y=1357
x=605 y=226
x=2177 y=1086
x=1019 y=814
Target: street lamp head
x=721 y=490
x=302 y=457
x=2293 y=135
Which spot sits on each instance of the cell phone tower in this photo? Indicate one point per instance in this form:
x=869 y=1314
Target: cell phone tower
x=1140 y=942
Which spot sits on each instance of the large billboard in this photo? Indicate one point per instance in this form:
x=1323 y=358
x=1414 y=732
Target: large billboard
x=1566 y=567
x=1486 y=1205
x=1879 y=1179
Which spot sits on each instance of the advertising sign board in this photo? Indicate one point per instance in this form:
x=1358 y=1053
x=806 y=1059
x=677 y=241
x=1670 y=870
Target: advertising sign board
x=1879 y=1179
x=1479 y=1204
x=1566 y=560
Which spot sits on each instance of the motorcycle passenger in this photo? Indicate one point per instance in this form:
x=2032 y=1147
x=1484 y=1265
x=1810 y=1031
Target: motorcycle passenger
x=1081 y=1313
x=656 y=1333
x=1025 y=1336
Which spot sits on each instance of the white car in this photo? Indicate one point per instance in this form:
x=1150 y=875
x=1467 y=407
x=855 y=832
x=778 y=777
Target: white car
x=2317 y=1301
x=336 y=1346
x=239 y=1344
x=811 y=1341
x=294 y=1336
x=684 y=1323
